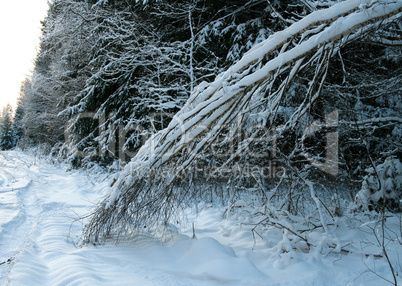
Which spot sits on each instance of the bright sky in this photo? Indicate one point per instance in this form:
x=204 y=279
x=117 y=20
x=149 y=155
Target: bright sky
x=19 y=40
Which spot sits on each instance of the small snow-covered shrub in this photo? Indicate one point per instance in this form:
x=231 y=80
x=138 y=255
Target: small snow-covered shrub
x=382 y=187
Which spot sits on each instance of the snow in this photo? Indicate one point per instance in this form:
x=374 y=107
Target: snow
x=385 y=181
x=40 y=241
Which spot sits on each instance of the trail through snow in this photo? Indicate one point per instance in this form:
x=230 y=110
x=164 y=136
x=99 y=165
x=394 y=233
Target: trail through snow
x=40 y=204
x=40 y=235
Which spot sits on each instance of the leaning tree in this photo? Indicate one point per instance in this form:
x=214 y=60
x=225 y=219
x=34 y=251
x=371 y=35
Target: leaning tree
x=259 y=90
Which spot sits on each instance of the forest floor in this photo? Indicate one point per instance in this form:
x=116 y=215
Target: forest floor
x=40 y=241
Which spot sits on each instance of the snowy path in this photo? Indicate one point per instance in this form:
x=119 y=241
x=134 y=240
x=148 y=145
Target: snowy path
x=39 y=204
x=39 y=207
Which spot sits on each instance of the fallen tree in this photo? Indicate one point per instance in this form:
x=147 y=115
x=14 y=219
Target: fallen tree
x=158 y=180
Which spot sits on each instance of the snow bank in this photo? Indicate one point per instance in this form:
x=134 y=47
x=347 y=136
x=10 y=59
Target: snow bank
x=208 y=258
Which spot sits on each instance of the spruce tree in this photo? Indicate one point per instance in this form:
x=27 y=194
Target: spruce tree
x=6 y=129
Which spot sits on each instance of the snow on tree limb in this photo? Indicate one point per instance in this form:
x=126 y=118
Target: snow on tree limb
x=207 y=105
x=140 y=196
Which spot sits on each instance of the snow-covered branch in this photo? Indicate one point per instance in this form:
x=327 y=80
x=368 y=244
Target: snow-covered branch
x=256 y=84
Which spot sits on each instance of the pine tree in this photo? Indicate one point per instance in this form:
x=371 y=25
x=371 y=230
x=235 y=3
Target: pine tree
x=6 y=129
x=19 y=112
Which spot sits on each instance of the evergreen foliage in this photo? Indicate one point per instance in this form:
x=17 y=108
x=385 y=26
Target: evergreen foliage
x=19 y=112
x=382 y=187
x=7 y=139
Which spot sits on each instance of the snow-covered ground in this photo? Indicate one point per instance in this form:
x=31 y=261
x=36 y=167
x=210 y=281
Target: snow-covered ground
x=40 y=242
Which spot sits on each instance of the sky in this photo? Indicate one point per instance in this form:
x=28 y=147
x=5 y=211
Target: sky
x=19 y=39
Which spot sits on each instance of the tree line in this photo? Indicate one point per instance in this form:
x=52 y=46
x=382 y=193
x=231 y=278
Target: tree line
x=133 y=62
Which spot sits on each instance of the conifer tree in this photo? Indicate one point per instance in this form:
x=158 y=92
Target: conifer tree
x=6 y=129
x=19 y=112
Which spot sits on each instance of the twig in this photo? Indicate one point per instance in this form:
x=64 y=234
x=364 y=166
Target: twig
x=7 y=261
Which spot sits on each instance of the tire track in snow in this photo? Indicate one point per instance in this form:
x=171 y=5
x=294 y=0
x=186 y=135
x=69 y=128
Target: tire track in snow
x=20 y=214
x=41 y=238
x=45 y=228
x=62 y=197
x=18 y=239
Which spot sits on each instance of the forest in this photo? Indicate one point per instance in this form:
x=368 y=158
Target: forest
x=286 y=112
